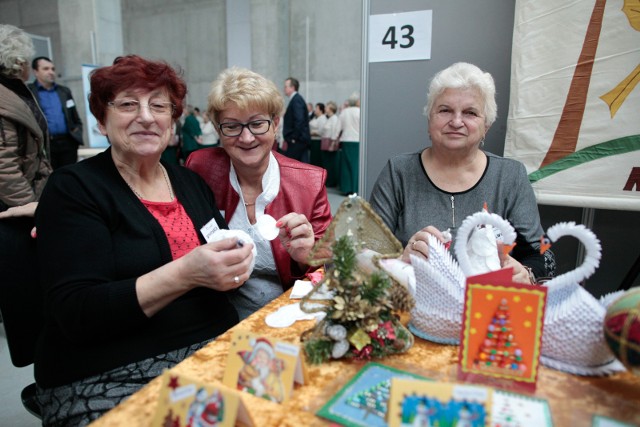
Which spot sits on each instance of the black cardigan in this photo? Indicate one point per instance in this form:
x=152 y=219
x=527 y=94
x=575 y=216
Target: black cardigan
x=95 y=238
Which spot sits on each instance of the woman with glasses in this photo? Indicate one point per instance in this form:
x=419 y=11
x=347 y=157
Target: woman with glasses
x=250 y=180
x=436 y=188
x=130 y=287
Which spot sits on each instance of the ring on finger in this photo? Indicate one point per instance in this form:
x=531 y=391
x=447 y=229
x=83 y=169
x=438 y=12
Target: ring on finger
x=236 y=280
x=413 y=245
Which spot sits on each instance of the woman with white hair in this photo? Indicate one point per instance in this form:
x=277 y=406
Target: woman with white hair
x=24 y=166
x=436 y=188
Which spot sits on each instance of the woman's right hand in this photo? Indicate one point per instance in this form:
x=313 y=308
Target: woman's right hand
x=25 y=210
x=222 y=265
x=418 y=244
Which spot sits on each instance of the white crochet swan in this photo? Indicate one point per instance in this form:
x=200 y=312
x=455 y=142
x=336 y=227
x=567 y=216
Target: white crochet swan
x=573 y=338
x=440 y=280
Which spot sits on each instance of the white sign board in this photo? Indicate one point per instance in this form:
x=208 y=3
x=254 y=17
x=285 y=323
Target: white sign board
x=400 y=36
x=96 y=139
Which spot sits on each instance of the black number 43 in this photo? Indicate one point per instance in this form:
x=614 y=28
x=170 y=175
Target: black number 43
x=390 y=37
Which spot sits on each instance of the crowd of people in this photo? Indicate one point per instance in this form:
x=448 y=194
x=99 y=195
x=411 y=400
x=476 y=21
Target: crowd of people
x=136 y=285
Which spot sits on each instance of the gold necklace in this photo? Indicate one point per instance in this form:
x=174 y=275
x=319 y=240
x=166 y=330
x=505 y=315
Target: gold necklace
x=166 y=180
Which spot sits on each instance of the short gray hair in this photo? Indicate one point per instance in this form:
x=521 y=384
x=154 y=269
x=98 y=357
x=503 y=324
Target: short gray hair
x=16 y=49
x=462 y=75
x=353 y=99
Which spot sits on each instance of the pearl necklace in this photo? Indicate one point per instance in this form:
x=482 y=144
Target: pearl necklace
x=166 y=180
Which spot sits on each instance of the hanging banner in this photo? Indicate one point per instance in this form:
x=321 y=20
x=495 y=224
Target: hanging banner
x=574 y=112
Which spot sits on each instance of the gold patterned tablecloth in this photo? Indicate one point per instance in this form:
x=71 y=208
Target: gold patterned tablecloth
x=573 y=400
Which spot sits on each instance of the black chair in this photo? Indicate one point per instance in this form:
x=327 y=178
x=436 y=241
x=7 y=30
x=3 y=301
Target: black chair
x=20 y=298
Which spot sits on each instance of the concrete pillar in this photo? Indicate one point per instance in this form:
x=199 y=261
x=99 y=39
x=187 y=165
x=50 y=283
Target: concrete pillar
x=238 y=14
x=90 y=33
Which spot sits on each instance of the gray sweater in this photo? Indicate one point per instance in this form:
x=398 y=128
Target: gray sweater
x=407 y=201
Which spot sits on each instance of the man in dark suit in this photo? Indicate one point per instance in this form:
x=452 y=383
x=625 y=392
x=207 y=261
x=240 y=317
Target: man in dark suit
x=58 y=106
x=295 y=129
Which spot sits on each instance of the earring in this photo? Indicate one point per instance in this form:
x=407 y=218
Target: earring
x=482 y=143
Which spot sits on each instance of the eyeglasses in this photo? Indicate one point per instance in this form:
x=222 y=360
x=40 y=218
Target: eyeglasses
x=256 y=127
x=132 y=106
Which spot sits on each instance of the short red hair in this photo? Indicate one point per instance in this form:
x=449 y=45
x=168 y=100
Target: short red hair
x=133 y=71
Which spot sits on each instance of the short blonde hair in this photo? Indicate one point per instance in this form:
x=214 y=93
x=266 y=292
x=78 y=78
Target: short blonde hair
x=244 y=89
x=16 y=48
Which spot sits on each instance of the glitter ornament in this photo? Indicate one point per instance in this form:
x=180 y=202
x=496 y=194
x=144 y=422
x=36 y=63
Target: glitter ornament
x=622 y=329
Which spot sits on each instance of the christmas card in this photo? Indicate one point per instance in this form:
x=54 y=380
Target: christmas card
x=420 y=403
x=184 y=402
x=363 y=401
x=263 y=366
x=510 y=409
x=502 y=332
x=602 y=421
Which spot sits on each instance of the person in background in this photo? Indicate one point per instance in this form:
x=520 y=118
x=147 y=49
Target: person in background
x=250 y=180
x=295 y=130
x=310 y=110
x=319 y=119
x=330 y=132
x=191 y=133
x=198 y=115
x=56 y=101
x=436 y=188
x=329 y=143
x=130 y=287
x=171 y=154
x=350 y=120
x=24 y=162
x=209 y=134
x=350 y=146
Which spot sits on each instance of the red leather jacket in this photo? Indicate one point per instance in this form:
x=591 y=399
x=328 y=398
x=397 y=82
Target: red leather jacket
x=302 y=190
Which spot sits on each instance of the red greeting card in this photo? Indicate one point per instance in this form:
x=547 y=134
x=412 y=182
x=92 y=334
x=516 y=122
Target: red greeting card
x=502 y=332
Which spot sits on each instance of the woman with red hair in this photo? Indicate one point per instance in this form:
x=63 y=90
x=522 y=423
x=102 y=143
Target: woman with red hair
x=130 y=286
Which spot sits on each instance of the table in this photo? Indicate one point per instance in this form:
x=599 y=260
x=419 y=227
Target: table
x=572 y=399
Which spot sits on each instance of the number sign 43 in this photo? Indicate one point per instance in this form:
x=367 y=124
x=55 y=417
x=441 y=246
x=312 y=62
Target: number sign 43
x=407 y=35
x=400 y=36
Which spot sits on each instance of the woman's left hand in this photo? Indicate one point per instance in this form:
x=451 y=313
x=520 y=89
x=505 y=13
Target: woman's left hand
x=296 y=234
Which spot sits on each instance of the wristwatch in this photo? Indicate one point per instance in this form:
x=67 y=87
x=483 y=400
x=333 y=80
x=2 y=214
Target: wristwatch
x=532 y=277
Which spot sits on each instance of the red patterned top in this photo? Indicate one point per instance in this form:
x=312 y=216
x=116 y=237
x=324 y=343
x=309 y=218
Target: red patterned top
x=176 y=224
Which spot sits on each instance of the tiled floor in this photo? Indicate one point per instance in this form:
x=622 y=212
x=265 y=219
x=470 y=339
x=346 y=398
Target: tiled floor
x=335 y=198
x=13 y=380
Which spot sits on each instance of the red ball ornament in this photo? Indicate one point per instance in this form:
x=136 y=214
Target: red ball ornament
x=622 y=329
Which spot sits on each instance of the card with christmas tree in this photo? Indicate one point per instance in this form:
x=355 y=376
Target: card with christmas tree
x=362 y=402
x=502 y=333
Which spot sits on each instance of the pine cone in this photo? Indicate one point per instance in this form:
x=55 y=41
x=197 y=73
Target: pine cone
x=400 y=298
